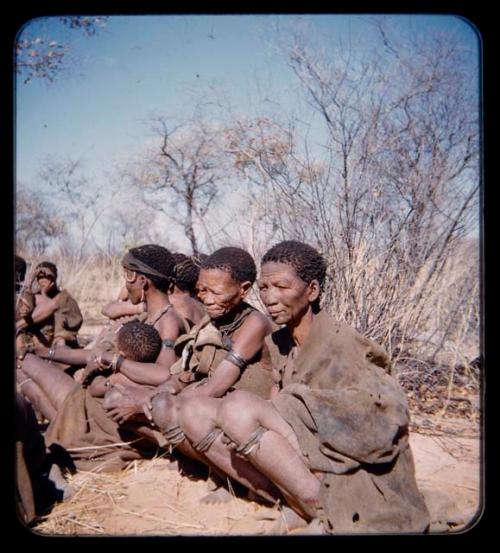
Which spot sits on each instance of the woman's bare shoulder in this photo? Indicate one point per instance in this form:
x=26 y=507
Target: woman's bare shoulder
x=257 y=322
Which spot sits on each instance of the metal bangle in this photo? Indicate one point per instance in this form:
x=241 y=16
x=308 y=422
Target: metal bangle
x=236 y=360
x=167 y=343
x=51 y=354
x=116 y=363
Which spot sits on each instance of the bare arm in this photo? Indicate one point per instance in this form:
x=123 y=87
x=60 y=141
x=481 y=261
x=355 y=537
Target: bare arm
x=120 y=308
x=40 y=313
x=158 y=372
x=248 y=341
x=153 y=374
x=65 y=354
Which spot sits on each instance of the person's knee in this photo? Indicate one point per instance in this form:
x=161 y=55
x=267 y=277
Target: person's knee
x=238 y=414
x=196 y=415
x=164 y=410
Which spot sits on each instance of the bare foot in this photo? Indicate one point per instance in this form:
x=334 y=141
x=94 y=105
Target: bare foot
x=288 y=520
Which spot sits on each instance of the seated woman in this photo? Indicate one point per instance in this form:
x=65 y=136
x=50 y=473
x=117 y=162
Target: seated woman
x=181 y=292
x=224 y=352
x=55 y=317
x=79 y=426
x=148 y=274
x=334 y=438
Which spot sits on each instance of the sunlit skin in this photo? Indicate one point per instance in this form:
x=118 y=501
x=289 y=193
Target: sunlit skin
x=288 y=298
x=222 y=296
x=278 y=459
x=219 y=292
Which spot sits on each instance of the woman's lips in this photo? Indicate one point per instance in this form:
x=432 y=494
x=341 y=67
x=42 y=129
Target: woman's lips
x=214 y=310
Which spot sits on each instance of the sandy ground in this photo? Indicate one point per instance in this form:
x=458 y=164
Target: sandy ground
x=153 y=498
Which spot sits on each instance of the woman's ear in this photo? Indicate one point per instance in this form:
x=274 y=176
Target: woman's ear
x=245 y=287
x=313 y=290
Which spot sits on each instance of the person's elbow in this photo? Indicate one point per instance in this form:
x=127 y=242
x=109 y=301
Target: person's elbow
x=106 y=311
x=159 y=376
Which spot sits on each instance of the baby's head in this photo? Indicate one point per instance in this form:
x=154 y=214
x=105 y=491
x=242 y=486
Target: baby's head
x=139 y=342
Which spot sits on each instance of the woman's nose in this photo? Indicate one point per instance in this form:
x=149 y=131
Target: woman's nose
x=268 y=298
x=207 y=299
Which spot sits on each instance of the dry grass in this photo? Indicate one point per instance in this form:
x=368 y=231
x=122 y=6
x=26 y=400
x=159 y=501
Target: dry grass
x=443 y=395
x=82 y=514
x=94 y=498
x=148 y=498
x=429 y=327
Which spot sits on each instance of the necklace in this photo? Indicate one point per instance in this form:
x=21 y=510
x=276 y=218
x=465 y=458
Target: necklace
x=153 y=319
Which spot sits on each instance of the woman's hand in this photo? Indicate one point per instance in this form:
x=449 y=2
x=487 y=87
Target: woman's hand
x=123 y=403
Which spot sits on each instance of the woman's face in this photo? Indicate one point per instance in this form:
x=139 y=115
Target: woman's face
x=45 y=282
x=219 y=292
x=286 y=296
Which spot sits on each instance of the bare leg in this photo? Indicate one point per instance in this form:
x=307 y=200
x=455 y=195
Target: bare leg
x=240 y=415
x=38 y=399
x=198 y=417
x=124 y=404
x=55 y=384
x=166 y=416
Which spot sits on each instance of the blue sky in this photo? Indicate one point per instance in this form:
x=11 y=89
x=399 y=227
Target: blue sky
x=138 y=65
x=97 y=110
x=141 y=64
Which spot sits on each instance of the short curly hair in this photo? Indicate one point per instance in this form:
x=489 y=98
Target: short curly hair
x=139 y=342
x=186 y=272
x=158 y=258
x=236 y=261
x=307 y=262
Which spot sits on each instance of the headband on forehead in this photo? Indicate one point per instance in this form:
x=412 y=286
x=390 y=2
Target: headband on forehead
x=45 y=272
x=133 y=264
